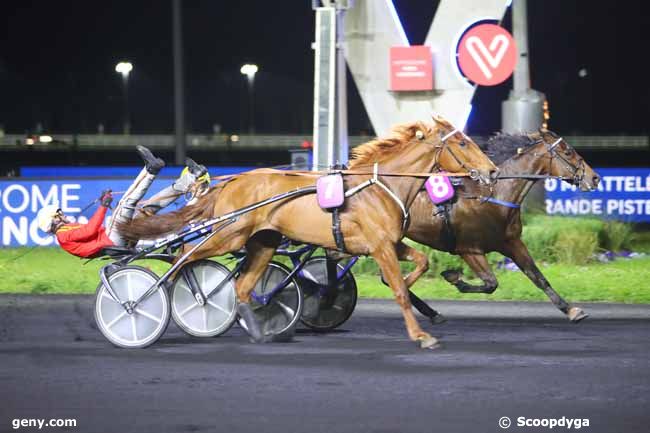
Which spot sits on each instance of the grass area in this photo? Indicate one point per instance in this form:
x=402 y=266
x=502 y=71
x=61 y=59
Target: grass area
x=624 y=280
x=49 y=270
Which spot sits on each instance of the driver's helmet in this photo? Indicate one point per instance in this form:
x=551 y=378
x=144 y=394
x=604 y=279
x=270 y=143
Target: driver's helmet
x=204 y=178
x=46 y=216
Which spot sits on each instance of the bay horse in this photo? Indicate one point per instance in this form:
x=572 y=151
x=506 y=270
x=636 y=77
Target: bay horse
x=480 y=221
x=372 y=221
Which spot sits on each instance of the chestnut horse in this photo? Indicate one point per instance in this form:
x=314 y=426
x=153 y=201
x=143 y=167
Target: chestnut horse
x=372 y=221
x=470 y=226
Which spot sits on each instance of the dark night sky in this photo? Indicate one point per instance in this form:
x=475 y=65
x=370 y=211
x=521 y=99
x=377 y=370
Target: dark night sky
x=57 y=65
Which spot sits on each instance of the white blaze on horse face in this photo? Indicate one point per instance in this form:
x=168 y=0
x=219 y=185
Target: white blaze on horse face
x=473 y=43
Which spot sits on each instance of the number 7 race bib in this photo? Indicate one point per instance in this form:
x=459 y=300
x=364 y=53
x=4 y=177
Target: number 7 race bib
x=439 y=188
x=329 y=191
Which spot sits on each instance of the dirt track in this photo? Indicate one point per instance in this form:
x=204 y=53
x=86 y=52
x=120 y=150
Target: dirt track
x=497 y=359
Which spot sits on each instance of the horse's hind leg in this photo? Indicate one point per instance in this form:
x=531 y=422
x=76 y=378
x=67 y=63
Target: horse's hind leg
x=410 y=254
x=260 y=249
x=480 y=266
x=386 y=258
x=517 y=251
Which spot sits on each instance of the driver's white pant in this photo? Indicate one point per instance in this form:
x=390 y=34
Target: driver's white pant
x=125 y=209
x=128 y=205
x=167 y=196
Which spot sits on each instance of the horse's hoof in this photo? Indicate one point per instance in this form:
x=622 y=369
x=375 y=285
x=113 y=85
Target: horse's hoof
x=428 y=342
x=438 y=319
x=451 y=276
x=261 y=340
x=576 y=314
x=252 y=326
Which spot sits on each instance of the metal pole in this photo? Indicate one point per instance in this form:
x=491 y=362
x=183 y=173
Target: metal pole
x=179 y=97
x=341 y=144
x=251 y=104
x=125 y=87
x=521 y=78
x=523 y=110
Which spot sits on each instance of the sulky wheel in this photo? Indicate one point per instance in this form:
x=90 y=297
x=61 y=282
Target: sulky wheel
x=219 y=311
x=149 y=318
x=279 y=317
x=326 y=308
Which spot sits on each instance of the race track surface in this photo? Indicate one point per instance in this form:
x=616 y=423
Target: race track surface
x=497 y=359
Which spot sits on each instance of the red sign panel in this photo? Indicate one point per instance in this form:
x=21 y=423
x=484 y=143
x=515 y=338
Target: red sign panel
x=487 y=54
x=411 y=68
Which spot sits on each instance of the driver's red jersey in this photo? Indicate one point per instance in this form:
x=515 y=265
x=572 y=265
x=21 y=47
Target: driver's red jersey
x=85 y=240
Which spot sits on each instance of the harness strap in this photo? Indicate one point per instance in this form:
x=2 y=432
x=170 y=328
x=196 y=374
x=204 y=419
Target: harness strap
x=336 y=222
x=405 y=213
x=502 y=202
x=451 y=134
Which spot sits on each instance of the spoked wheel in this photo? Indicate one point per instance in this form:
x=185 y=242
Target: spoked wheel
x=326 y=307
x=278 y=318
x=218 y=313
x=148 y=320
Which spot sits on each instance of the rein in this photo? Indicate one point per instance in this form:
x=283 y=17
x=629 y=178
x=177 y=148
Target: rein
x=305 y=173
x=551 y=150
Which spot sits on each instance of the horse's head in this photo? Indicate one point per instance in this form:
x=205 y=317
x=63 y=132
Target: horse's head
x=457 y=152
x=565 y=162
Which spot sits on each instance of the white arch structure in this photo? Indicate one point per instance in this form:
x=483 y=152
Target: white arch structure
x=371 y=27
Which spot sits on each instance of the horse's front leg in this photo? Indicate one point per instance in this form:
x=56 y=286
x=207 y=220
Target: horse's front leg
x=480 y=266
x=386 y=258
x=260 y=249
x=517 y=251
x=421 y=261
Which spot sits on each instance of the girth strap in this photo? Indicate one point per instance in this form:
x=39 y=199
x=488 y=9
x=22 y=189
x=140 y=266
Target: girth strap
x=448 y=234
x=336 y=230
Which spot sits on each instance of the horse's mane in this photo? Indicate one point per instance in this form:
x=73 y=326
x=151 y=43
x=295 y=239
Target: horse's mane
x=378 y=149
x=502 y=147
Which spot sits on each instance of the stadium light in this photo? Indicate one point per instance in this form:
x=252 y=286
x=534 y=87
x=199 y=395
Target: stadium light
x=249 y=70
x=124 y=69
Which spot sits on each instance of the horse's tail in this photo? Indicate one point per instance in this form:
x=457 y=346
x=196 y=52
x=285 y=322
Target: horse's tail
x=156 y=226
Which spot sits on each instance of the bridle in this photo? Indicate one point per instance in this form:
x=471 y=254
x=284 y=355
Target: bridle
x=577 y=171
x=473 y=173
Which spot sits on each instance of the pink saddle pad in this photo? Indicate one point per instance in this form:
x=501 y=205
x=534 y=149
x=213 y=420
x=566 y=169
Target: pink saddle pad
x=329 y=191
x=439 y=188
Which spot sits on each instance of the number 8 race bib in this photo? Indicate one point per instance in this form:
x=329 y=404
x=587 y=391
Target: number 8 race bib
x=439 y=188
